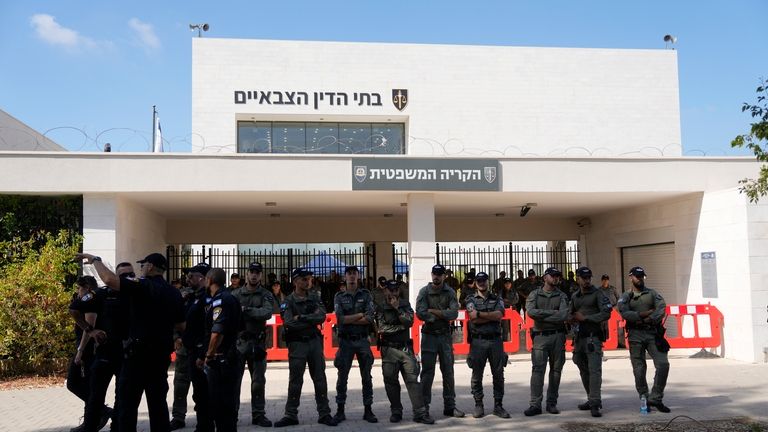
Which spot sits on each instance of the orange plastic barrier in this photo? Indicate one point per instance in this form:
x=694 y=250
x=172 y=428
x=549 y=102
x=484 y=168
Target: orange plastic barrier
x=707 y=323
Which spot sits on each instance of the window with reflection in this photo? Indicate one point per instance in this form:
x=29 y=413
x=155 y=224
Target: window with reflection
x=254 y=137
x=320 y=137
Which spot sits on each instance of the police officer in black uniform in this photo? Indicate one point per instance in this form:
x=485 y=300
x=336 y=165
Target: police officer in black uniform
x=437 y=306
x=354 y=313
x=222 y=362
x=302 y=312
x=195 y=342
x=154 y=309
x=257 y=304
x=394 y=318
x=84 y=309
x=485 y=310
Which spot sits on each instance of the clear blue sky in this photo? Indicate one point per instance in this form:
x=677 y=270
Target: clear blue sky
x=94 y=66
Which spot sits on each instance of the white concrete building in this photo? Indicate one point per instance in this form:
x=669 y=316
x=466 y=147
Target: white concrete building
x=382 y=143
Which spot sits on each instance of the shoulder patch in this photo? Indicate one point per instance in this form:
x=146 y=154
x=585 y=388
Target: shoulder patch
x=216 y=302
x=86 y=297
x=216 y=313
x=283 y=306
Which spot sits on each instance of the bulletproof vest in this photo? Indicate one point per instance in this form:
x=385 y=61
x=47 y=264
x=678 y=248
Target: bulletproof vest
x=544 y=302
x=224 y=303
x=489 y=304
x=438 y=300
x=390 y=326
x=642 y=301
x=251 y=327
x=353 y=304
x=587 y=304
x=305 y=306
x=113 y=317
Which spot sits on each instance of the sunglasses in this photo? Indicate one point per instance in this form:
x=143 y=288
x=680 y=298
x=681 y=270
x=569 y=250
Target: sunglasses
x=129 y=274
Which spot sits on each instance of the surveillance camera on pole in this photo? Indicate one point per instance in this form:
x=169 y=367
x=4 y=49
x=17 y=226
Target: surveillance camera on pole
x=669 y=40
x=200 y=28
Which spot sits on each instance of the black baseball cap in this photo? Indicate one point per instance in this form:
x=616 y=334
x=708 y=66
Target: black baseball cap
x=481 y=276
x=201 y=268
x=300 y=272
x=255 y=267
x=438 y=269
x=507 y=280
x=382 y=279
x=605 y=277
x=350 y=269
x=553 y=271
x=392 y=285
x=584 y=272
x=156 y=259
x=235 y=275
x=637 y=271
x=531 y=272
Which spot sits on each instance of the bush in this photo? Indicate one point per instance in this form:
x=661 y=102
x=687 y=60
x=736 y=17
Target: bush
x=35 y=290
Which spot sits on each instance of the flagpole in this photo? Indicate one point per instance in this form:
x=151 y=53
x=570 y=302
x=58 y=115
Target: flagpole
x=154 y=126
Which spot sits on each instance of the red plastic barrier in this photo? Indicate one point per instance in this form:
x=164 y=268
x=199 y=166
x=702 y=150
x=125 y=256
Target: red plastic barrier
x=697 y=314
x=517 y=324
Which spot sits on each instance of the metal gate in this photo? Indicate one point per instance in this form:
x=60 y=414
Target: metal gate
x=325 y=263
x=492 y=260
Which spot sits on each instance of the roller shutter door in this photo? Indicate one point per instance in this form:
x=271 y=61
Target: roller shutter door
x=658 y=260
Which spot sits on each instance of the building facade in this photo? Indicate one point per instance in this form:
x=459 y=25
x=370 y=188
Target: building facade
x=315 y=142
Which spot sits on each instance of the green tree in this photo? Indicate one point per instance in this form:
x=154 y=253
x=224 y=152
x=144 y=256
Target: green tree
x=755 y=140
x=35 y=290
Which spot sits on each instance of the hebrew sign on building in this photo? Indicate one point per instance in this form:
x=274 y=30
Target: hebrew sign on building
x=425 y=174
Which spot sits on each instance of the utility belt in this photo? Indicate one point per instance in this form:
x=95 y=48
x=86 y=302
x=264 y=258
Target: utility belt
x=436 y=332
x=636 y=326
x=301 y=338
x=492 y=336
x=535 y=333
x=353 y=336
x=395 y=344
x=247 y=335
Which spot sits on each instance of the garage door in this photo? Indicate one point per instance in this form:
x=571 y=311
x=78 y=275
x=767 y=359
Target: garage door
x=658 y=260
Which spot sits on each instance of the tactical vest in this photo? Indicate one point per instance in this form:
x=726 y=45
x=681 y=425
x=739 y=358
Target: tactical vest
x=587 y=304
x=350 y=305
x=390 y=327
x=250 y=328
x=544 y=302
x=306 y=306
x=489 y=304
x=438 y=300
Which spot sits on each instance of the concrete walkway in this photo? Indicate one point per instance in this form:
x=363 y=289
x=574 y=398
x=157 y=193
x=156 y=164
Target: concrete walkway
x=698 y=388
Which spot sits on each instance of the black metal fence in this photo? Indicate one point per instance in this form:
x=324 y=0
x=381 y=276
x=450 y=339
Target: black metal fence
x=324 y=263
x=508 y=258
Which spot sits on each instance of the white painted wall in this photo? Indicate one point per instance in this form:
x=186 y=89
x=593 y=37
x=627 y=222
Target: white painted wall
x=721 y=221
x=463 y=100
x=139 y=231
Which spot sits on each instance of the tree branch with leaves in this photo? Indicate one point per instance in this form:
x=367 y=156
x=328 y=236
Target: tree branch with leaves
x=755 y=140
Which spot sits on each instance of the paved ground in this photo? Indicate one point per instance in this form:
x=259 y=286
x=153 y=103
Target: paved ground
x=698 y=388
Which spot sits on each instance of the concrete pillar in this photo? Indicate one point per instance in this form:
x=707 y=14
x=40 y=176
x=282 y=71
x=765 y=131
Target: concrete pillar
x=100 y=229
x=421 y=241
x=384 y=259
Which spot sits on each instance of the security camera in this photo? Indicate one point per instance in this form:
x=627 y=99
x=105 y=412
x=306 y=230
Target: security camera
x=526 y=208
x=583 y=222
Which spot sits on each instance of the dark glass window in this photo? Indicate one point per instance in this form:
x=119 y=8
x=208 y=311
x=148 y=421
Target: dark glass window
x=254 y=137
x=317 y=137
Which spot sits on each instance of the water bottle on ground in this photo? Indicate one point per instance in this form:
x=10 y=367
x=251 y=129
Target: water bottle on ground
x=643 y=405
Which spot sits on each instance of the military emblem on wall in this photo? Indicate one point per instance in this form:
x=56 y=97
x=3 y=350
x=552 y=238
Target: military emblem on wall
x=490 y=174
x=400 y=98
x=361 y=172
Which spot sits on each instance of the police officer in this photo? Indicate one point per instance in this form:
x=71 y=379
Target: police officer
x=154 y=308
x=548 y=307
x=589 y=311
x=526 y=287
x=380 y=292
x=181 y=369
x=609 y=290
x=644 y=310
x=222 y=322
x=302 y=312
x=354 y=314
x=257 y=305
x=486 y=310
x=498 y=284
x=194 y=340
x=111 y=319
x=437 y=306
x=394 y=317
x=84 y=309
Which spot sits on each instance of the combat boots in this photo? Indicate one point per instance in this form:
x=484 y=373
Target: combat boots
x=340 y=416
x=369 y=416
x=499 y=411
